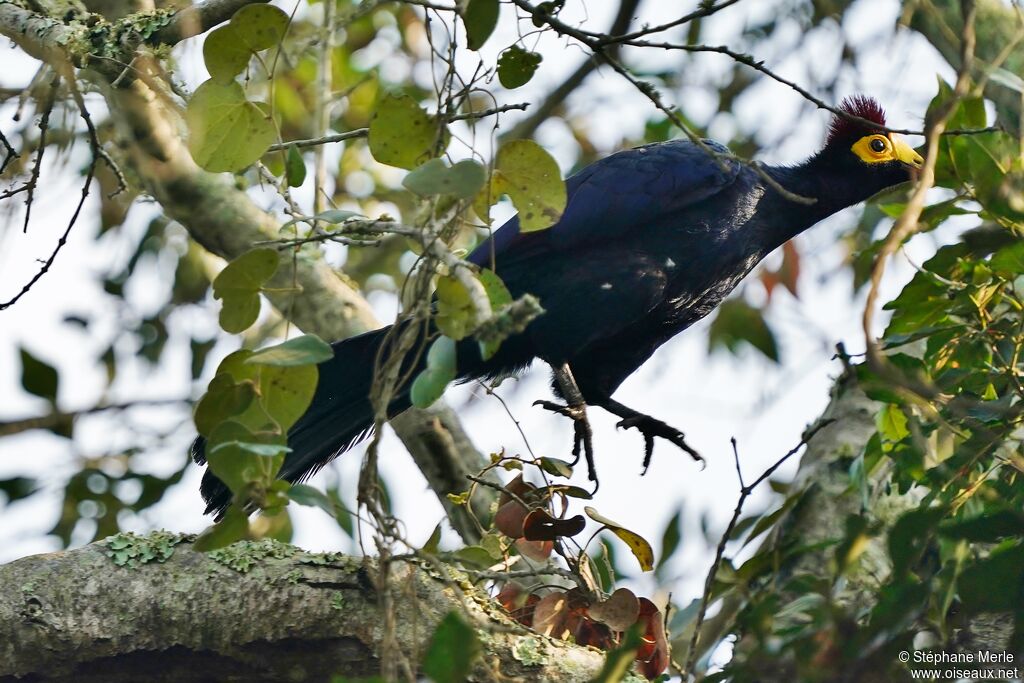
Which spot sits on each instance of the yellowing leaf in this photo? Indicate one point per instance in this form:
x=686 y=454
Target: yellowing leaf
x=455 y=313
x=225 y=54
x=226 y=131
x=402 y=134
x=637 y=544
x=260 y=26
x=286 y=392
x=528 y=174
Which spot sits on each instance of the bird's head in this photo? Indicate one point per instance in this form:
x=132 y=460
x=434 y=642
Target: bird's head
x=864 y=153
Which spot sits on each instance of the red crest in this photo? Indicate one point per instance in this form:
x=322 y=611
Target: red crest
x=856 y=105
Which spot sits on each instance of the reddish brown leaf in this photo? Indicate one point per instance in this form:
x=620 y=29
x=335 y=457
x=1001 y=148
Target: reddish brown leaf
x=509 y=519
x=549 y=615
x=652 y=655
x=518 y=603
x=620 y=611
x=789 y=272
x=538 y=551
x=595 y=634
x=518 y=487
x=541 y=526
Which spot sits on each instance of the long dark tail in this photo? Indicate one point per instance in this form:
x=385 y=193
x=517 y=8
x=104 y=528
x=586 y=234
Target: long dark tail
x=339 y=417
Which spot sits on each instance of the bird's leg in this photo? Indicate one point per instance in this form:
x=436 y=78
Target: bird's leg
x=575 y=409
x=650 y=427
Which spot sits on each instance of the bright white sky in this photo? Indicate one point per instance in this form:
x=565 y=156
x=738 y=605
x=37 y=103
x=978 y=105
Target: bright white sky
x=765 y=407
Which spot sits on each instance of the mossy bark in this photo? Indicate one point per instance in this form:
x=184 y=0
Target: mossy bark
x=255 y=611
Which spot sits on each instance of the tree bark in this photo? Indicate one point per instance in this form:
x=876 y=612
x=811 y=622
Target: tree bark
x=254 y=611
x=831 y=497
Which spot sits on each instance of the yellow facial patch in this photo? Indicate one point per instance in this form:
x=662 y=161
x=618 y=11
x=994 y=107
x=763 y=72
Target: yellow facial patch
x=878 y=148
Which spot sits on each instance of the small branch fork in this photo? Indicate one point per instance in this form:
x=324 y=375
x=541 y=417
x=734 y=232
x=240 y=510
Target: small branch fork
x=98 y=153
x=745 y=491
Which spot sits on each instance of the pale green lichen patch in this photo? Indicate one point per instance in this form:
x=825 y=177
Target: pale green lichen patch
x=244 y=555
x=338 y=601
x=323 y=559
x=529 y=651
x=131 y=550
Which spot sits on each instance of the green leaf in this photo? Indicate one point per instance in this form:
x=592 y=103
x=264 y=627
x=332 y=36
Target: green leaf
x=638 y=544
x=402 y=134
x=430 y=384
x=38 y=378
x=224 y=398
x=312 y=497
x=17 y=488
x=456 y=316
x=1007 y=79
x=670 y=539
x=988 y=527
x=462 y=180
x=499 y=297
x=995 y=583
x=266 y=450
x=556 y=467
x=910 y=536
x=496 y=290
x=892 y=423
x=260 y=26
x=308 y=349
x=287 y=391
x=226 y=131
x=295 y=167
x=738 y=323
x=619 y=661
x=430 y=547
x=1009 y=260
x=480 y=17
x=452 y=651
x=239 y=467
x=225 y=54
x=441 y=355
x=234 y=526
x=516 y=66
x=530 y=177
x=239 y=285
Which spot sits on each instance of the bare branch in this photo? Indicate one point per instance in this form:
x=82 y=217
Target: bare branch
x=745 y=491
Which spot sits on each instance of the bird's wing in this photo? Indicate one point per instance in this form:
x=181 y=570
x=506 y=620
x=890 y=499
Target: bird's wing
x=627 y=191
x=590 y=274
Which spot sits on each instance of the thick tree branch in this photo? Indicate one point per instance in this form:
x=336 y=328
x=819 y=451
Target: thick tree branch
x=255 y=611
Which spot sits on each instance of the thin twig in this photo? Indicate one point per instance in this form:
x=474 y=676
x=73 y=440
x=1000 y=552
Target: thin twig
x=363 y=132
x=10 y=154
x=908 y=222
x=47 y=421
x=745 y=491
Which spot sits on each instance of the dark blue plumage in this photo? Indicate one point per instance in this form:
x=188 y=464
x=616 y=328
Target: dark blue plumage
x=651 y=240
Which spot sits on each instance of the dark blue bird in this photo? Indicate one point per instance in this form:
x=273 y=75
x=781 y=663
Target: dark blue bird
x=651 y=240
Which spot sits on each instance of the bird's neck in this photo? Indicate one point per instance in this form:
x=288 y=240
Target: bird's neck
x=815 y=179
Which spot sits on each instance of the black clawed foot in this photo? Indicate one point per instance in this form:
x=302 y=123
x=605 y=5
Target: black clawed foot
x=583 y=435
x=651 y=428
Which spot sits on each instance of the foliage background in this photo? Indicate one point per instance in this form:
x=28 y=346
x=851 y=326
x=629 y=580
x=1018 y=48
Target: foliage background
x=126 y=315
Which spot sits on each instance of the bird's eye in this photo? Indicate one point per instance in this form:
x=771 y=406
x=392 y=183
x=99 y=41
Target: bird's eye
x=877 y=145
